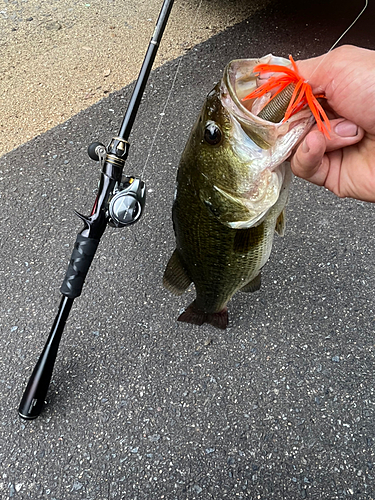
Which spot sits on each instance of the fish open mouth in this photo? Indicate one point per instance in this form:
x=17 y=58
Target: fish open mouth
x=261 y=145
x=238 y=82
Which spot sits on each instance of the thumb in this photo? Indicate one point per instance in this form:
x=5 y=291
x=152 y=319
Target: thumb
x=310 y=161
x=307 y=162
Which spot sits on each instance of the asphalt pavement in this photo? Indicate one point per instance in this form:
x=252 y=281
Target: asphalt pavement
x=60 y=57
x=281 y=405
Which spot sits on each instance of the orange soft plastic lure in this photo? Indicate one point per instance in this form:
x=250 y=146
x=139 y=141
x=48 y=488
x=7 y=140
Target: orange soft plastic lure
x=302 y=94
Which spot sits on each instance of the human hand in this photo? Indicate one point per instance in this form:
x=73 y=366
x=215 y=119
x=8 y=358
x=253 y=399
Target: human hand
x=345 y=163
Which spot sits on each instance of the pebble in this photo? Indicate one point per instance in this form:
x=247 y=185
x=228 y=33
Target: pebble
x=53 y=26
x=77 y=486
x=154 y=438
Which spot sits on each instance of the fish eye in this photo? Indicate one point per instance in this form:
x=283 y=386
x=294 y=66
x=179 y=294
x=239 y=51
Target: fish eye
x=212 y=134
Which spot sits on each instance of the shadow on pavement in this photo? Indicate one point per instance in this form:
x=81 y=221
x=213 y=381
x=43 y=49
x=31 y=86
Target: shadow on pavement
x=279 y=406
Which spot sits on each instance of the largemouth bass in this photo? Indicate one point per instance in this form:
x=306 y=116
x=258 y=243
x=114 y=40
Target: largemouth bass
x=232 y=188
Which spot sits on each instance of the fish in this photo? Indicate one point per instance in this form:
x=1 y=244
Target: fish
x=232 y=189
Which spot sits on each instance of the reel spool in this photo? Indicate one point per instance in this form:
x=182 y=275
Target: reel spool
x=127 y=205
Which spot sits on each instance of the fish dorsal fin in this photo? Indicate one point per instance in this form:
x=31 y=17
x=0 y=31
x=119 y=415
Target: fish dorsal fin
x=175 y=278
x=254 y=284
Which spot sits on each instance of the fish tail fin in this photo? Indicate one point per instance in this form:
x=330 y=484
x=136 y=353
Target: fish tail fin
x=196 y=316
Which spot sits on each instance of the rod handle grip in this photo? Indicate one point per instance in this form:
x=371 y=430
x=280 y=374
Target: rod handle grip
x=80 y=261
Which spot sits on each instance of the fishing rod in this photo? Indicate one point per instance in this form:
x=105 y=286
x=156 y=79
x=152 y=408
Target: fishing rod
x=120 y=202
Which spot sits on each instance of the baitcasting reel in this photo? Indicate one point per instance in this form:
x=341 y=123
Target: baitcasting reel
x=128 y=202
x=119 y=201
x=127 y=205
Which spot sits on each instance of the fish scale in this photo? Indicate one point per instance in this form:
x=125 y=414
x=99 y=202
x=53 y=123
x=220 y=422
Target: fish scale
x=217 y=257
x=232 y=188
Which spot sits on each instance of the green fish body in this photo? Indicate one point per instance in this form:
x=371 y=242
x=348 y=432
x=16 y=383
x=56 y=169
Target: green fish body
x=232 y=188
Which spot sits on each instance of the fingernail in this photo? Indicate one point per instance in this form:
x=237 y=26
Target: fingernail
x=346 y=129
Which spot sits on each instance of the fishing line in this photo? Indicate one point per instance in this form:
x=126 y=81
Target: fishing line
x=341 y=36
x=162 y=114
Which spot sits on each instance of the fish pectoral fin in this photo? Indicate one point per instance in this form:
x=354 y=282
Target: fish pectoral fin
x=175 y=278
x=254 y=284
x=280 y=223
x=247 y=239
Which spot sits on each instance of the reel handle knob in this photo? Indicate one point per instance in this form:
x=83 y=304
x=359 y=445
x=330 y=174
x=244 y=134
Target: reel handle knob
x=92 y=150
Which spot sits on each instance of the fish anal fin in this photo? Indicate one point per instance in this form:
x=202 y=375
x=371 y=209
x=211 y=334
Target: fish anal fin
x=175 y=278
x=280 y=223
x=196 y=316
x=254 y=284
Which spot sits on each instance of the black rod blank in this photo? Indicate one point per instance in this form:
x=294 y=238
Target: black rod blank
x=88 y=240
x=136 y=97
x=36 y=390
